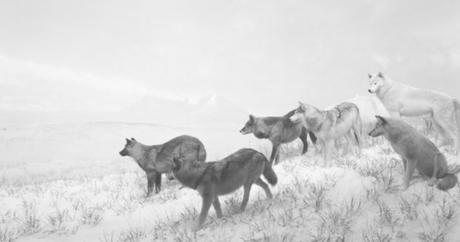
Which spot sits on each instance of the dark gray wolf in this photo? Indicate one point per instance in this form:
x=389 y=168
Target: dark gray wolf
x=341 y=121
x=403 y=100
x=212 y=179
x=188 y=147
x=279 y=130
x=416 y=151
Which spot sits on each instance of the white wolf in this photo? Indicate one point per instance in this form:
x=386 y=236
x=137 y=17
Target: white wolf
x=403 y=100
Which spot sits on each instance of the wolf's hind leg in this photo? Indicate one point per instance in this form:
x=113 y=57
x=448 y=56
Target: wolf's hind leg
x=434 y=176
x=328 y=148
x=264 y=186
x=157 y=182
x=303 y=137
x=247 y=189
x=441 y=128
x=216 y=205
x=275 y=150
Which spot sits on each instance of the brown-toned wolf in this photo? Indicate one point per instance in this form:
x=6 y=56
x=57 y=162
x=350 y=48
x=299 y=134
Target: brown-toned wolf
x=329 y=125
x=188 y=147
x=416 y=151
x=279 y=130
x=213 y=179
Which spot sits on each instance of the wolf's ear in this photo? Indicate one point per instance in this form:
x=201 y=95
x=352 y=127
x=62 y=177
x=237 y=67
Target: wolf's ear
x=251 y=118
x=302 y=106
x=384 y=121
x=128 y=141
x=381 y=75
x=177 y=160
x=369 y=75
x=133 y=139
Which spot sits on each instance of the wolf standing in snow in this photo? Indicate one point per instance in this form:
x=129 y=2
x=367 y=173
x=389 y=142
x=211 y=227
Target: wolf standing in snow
x=188 y=147
x=416 y=151
x=213 y=179
x=329 y=125
x=279 y=130
x=403 y=100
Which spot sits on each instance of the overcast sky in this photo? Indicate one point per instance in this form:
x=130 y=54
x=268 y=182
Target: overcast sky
x=263 y=55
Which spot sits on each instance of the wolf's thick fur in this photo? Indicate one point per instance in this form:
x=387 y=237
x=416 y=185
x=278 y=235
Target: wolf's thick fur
x=403 y=100
x=279 y=130
x=188 y=147
x=212 y=179
x=329 y=125
x=416 y=151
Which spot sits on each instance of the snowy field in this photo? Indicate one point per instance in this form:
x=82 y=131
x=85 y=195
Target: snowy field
x=68 y=183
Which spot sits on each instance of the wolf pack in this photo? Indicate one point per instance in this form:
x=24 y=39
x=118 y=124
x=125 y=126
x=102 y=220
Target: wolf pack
x=346 y=125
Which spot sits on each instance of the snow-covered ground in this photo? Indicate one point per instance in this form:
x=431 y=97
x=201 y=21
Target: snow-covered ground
x=67 y=183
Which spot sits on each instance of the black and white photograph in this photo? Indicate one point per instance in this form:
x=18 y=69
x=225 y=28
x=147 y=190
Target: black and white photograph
x=229 y=120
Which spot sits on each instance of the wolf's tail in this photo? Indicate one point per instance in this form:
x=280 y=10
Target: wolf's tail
x=269 y=173
x=201 y=152
x=449 y=180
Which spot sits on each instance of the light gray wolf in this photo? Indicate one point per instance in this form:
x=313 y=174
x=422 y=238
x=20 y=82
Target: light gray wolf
x=403 y=100
x=279 y=130
x=213 y=179
x=329 y=125
x=416 y=151
x=369 y=106
x=188 y=147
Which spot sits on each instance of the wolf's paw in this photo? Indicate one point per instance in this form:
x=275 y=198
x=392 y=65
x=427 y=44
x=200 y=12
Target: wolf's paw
x=432 y=182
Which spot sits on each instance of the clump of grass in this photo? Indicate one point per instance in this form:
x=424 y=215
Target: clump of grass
x=317 y=196
x=408 y=208
x=432 y=233
x=445 y=212
x=7 y=235
x=336 y=223
x=376 y=233
x=31 y=221
x=91 y=215
x=56 y=220
x=387 y=216
x=132 y=235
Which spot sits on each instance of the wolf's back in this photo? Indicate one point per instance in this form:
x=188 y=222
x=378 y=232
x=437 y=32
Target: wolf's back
x=201 y=152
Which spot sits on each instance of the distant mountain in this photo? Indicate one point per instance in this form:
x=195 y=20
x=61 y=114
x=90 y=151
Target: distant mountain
x=209 y=110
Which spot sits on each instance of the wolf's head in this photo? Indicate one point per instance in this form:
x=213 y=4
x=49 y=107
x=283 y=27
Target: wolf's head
x=132 y=148
x=250 y=126
x=380 y=127
x=376 y=81
x=303 y=112
x=168 y=166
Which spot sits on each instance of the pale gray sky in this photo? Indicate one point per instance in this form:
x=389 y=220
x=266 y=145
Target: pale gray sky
x=262 y=55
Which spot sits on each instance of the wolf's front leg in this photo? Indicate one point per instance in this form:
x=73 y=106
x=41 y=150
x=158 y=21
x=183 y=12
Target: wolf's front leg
x=151 y=178
x=205 y=206
x=409 y=171
x=247 y=189
x=434 y=176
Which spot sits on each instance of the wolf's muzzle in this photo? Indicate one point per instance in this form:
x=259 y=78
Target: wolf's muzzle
x=123 y=153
